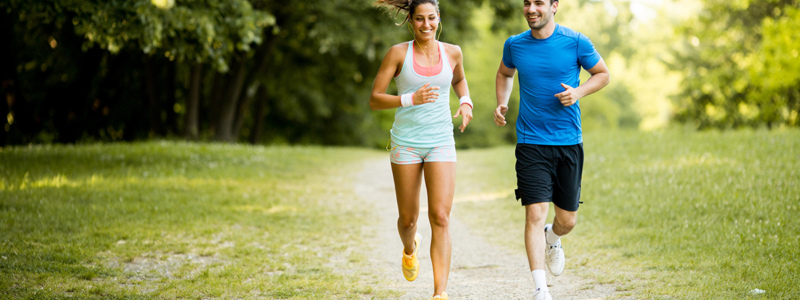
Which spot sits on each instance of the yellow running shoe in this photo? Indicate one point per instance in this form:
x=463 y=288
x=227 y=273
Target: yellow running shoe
x=410 y=262
x=443 y=296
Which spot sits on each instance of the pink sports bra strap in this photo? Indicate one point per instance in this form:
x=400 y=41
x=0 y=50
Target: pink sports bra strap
x=429 y=70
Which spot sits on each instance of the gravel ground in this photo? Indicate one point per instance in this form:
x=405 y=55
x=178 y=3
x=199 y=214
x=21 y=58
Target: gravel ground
x=479 y=270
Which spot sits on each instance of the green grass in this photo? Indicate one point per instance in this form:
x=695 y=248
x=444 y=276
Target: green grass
x=666 y=215
x=178 y=220
x=709 y=215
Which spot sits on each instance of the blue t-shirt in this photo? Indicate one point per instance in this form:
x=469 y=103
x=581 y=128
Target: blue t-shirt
x=543 y=65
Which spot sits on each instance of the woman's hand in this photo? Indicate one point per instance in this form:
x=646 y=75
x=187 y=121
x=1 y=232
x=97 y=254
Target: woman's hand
x=425 y=94
x=464 y=110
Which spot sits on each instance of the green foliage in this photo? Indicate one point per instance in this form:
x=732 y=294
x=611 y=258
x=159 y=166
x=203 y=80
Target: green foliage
x=314 y=63
x=331 y=107
x=176 y=220
x=634 y=38
x=616 y=38
x=197 y=31
x=778 y=75
x=711 y=213
x=739 y=62
x=80 y=69
x=297 y=74
x=301 y=72
x=482 y=56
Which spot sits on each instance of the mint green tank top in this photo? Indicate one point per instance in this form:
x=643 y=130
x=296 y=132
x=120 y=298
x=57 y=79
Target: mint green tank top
x=426 y=125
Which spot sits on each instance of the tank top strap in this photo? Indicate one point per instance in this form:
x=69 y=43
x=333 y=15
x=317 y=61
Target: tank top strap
x=409 y=55
x=409 y=58
x=445 y=61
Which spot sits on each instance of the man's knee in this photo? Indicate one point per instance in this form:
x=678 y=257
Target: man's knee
x=568 y=223
x=536 y=213
x=564 y=223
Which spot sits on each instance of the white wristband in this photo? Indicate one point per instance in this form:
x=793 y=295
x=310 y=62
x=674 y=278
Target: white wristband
x=466 y=100
x=407 y=100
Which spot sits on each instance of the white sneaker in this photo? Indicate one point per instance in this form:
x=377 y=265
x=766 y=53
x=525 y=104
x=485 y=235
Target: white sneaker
x=554 y=256
x=542 y=295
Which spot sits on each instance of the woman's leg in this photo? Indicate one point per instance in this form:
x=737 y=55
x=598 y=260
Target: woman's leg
x=440 y=180
x=407 y=183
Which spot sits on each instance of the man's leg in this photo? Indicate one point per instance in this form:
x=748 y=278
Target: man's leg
x=566 y=198
x=563 y=223
x=535 y=216
x=535 y=180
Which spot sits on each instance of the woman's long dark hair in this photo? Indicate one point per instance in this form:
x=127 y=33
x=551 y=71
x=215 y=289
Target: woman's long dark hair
x=407 y=6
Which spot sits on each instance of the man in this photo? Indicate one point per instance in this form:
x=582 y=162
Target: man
x=549 y=152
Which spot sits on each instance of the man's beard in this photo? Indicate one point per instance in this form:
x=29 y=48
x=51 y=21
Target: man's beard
x=541 y=23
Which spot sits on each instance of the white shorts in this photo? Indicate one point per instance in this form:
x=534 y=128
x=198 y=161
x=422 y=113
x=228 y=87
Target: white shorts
x=403 y=155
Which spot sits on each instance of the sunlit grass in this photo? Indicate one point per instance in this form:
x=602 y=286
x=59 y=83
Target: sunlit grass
x=176 y=220
x=668 y=214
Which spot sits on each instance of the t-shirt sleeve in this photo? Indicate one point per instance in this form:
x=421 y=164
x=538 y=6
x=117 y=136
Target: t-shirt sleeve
x=507 y=59
x=587 y=54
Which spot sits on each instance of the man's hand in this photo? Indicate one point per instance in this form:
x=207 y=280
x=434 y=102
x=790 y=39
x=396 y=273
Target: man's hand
x=466 y=111
x=569 y=96
x=500 y=115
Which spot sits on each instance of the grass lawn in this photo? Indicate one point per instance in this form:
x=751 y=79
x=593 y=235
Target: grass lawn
x=178 y=220
x=709 y=215
x=666 y=215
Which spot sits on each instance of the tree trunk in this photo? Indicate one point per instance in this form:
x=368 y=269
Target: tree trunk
x=69 y=100
x=225 y=125
x=171 y=124
x=192 y=116
x=8 y=76
x=154 y=109
x=215 y=102
x=261 y=63
x=259 y=115
x=244 y=104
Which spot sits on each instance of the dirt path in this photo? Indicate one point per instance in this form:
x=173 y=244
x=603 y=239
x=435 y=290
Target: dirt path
x=479 y=270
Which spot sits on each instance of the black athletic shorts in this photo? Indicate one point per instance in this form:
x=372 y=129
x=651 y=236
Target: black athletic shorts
x=549 y=174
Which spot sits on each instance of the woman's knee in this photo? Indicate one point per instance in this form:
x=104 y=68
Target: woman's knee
x=439 y=218
x=407 y=222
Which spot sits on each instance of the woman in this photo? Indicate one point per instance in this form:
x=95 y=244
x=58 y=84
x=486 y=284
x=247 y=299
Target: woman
x=422 y=142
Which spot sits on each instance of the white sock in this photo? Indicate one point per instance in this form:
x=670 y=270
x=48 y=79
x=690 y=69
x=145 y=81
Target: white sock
x=540 y=279
x=550 y=236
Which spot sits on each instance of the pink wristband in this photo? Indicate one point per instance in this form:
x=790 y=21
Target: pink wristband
x=466 y=100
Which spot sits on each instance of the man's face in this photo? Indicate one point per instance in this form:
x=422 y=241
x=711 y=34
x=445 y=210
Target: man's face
x=539 y=12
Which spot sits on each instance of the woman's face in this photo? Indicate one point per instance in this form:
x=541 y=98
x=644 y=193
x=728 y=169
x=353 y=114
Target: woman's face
x=425 y=21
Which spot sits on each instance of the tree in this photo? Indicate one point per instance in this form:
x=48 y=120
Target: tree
x=738 y=65
x=298 y=71
x=95 y=34
x=778 y=75
x=314 y=85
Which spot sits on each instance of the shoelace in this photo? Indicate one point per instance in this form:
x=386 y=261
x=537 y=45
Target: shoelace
x=408 y=262
x=550 y=249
